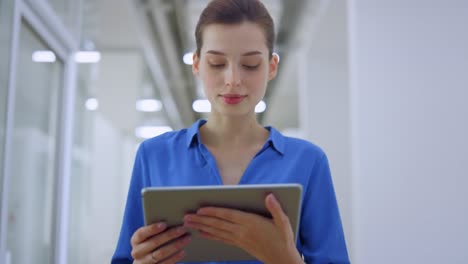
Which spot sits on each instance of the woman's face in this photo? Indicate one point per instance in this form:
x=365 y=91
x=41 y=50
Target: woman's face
x=234 y=67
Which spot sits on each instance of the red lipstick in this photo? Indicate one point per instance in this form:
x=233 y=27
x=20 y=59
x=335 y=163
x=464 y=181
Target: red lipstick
x=233 y=98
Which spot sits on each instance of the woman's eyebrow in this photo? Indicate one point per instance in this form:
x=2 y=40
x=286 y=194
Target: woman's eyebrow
x=215 y=52
x=250 y=53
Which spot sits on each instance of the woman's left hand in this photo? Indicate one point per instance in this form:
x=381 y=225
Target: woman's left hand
x=269 y=240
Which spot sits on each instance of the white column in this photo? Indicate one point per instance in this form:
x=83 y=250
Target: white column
x=323 y=84
x=409 y=72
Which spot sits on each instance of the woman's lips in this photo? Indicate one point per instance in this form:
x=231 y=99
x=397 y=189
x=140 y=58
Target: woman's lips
x=233 y=98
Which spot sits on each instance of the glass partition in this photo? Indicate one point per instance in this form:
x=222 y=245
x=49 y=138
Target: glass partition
x=6 y=25
x=80 y=203
x=32 y=181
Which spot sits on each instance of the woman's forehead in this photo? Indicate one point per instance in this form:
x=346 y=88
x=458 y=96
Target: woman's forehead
x=244 y=38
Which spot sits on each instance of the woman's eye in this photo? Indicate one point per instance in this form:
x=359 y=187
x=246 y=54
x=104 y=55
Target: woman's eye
x=217 y=66
x=251 y=67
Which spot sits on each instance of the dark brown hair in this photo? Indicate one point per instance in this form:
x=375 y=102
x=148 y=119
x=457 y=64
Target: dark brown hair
x=236 y=12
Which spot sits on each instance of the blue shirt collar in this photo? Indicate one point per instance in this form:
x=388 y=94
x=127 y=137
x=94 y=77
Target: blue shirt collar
x=192 y=132
x=276 y=139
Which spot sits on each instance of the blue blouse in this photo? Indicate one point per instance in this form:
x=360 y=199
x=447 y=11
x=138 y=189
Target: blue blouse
x=179 y=158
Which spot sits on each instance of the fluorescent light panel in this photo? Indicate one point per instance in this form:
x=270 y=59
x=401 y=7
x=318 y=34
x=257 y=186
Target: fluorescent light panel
x=201 y=106
x=188 y=58
x=148 y=105
x=260 y=107
x=47 y=56
x=92 y=104
x=44 y=56
x=87 y=57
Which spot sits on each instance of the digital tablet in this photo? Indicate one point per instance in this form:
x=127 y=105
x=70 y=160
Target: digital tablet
x=170 y=204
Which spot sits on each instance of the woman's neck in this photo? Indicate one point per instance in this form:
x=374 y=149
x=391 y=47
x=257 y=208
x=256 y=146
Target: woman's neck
x=227 y=132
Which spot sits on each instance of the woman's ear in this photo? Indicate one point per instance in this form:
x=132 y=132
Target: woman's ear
x=273 y=66
x=195 y=64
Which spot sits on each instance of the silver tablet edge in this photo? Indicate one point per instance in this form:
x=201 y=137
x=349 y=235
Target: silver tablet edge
x=211 y=187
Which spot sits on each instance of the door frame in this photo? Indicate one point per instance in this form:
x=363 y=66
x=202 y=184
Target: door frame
x=50 y=29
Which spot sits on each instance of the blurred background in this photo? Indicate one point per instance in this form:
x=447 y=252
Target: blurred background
x=380 y=85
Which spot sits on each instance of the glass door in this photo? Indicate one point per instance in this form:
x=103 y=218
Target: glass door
x=39 y=74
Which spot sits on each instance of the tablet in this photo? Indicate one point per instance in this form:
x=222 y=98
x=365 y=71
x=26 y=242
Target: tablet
x=170 y=204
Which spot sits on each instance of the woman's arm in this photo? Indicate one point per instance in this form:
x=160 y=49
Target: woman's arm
x=321 y=233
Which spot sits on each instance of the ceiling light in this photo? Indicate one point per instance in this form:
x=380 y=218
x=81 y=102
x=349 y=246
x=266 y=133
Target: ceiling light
x=151 y=131
x=148 y=105
x=87 y=57
x=92 y=104
x=188 y=58
x=43 y=56
x=260 y=107
x=201 y=106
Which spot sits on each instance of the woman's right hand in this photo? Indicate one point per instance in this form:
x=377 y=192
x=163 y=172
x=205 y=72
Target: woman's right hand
x=156 y=244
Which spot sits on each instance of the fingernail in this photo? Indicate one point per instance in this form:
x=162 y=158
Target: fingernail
x=270 y=196
x=161 y=225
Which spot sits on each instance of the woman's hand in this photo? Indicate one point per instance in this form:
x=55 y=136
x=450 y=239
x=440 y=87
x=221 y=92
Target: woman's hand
x=156 y=244
x=269 y=240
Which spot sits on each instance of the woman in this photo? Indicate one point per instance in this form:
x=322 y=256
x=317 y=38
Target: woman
x=235 y=61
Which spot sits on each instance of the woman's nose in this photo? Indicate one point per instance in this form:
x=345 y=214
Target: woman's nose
x=232 y=76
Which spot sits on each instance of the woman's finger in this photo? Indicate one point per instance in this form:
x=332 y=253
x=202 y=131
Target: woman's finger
x=219 y=239
x=215 y=222
x=167 y=252
x=174 y=258
x=156 y=241
x=227 y=214
x=279 y=217
x=145 y=232
x=212 y=230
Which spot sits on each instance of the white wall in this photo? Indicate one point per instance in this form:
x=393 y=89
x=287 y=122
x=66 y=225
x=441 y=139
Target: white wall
x=327 y=103
x=113 y=155
x=323 y=83
x=409 y=71
x=328 y=112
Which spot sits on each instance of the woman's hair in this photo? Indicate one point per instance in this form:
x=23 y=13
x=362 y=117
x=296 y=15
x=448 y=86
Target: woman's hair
x=236 y=12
